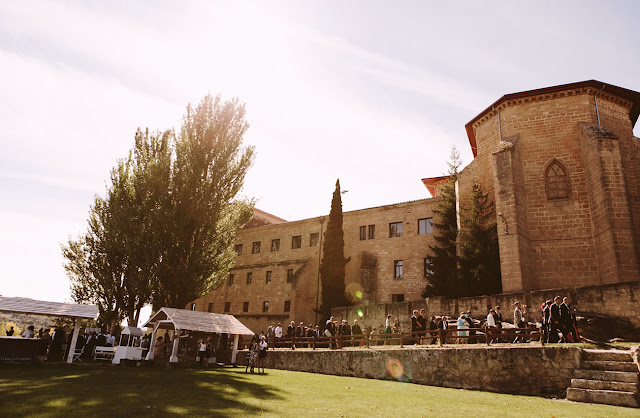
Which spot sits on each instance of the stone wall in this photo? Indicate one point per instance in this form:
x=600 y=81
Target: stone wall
x=518 y=370
x=621 y=300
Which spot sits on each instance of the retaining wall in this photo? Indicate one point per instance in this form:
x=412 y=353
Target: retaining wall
x=517 y=370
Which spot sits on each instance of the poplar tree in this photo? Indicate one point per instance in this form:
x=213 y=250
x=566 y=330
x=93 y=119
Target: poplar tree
x=442 y=278
x=332 y=267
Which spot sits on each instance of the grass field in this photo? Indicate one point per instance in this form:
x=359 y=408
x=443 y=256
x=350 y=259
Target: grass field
x=43 y=390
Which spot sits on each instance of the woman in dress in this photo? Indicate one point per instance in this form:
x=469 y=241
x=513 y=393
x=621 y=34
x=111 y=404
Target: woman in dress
x=263 y=353
x=463 y=327
x=253 y=355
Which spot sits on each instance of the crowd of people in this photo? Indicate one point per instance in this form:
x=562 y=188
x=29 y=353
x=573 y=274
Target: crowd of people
x=558 y=320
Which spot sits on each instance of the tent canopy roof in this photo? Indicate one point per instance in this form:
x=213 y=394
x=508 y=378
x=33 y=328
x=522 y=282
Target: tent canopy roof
x=40 y=307
x=184 y=320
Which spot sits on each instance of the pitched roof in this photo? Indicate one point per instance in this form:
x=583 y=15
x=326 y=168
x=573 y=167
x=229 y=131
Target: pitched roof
x=632 y=96
x=40 y=307
x=185 y=320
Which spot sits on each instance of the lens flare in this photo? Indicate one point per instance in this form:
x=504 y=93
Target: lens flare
x=360 y=313
x=359 y=294
x=395 y=368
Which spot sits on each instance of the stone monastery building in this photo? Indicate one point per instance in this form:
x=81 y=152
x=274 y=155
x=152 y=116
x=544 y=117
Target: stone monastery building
x=562 y=167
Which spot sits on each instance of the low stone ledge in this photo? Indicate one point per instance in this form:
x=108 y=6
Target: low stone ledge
x=521 y=370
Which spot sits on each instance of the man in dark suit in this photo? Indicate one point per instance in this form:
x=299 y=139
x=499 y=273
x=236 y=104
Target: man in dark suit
x=422 y=320
x=356 y=331
x=555 y=323
x=565 y=319
x=546 y=320
x=345 y=331
x=415 y=327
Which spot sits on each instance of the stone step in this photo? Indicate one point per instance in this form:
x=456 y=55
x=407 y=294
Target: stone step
x=606 y=355
x=628 y=377
x=608 y=397
x=604 y=385
x=618 y=366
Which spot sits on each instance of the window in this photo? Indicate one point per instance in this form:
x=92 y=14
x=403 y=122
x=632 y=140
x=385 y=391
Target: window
x=275 y=245
x=245 y=307
x=249 y=277
x=397 y=269
x=296 y=242
x=287 y=305
x=231 y=279
x=314 y=240
x=290 y=276
x=238 y=249
x=557 y=181
x=193 y=306
x=363 y=233
x=268 y=278
x=395 y=229
x=428 y=266
x=255 y=249
x=395 y=298
x=265 y=306
x=425 y=226
x=227 y=306
x=372 y=231
x=210 y=307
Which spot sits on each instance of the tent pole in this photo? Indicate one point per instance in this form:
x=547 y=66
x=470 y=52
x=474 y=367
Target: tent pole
x=74 y=340
x=153 y=342
x=234 y=351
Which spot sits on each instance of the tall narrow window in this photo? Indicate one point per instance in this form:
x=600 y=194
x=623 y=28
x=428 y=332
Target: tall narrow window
x=296 y=241
x=395 y=298
x=372 y=231
x=268 y=279
x=193 y=306
x=255 y=249
x=314 y=239
x=275 y=245
x=210 y=307
x=557 y=181
x=245 y=307
x=363 y=233
x=287 y=305
x=425 y=226
x=290 y=276
x=227 y=306
x=395 y=229
x=249 y=277
x=231 y=276
x=397 y=269
x=238 y=249
x=265 y=306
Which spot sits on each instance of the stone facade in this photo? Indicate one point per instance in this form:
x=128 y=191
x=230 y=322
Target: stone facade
x=293 y=272
x=562 y=168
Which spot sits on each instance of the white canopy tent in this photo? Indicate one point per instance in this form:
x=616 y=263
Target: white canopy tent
x=45 y=308
x=184 y=320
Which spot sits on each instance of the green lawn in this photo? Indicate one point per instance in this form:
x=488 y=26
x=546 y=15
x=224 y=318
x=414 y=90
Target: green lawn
x=43 y=390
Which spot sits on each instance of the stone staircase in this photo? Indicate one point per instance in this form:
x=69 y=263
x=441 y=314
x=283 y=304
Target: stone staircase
x=607 y=377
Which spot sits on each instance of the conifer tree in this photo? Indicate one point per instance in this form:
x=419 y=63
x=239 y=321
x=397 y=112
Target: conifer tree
x=332 y=268
x=442 y=278
x=479 y=258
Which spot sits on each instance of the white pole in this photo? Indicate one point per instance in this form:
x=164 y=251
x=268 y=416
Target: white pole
x=234 y=351
x=174 y=352
x=153 y=342
x=74 y=340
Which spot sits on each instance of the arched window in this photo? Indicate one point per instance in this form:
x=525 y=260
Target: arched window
x=557 y=181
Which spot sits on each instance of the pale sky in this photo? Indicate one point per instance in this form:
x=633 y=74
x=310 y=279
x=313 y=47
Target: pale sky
x=372 y=92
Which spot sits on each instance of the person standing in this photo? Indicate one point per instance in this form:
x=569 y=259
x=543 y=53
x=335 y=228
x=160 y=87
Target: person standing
x=263 y=346
x=463 y=327
x=10 y=332
x=491 y=325
x=565 y=320
x=546 y=321
x=472 y=326
x=415 y=328
x=278 y=334
x=433 y=326
x=518 y=320
x=555 y=324
x=422 y=320
x=356 y=330
x=498 y=317
x=254 y=353
x=388 y=330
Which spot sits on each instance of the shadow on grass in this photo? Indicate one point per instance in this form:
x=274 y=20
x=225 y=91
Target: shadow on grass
x=42 y=390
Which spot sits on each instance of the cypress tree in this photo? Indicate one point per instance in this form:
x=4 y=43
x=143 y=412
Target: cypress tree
x=442 y=279
x=479 y=254
x=332 y=267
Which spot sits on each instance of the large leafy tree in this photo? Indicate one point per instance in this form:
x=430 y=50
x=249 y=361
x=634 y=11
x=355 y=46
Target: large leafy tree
x=332 y=267
x=164 y=231
x=442 y=278
x=479 y=257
